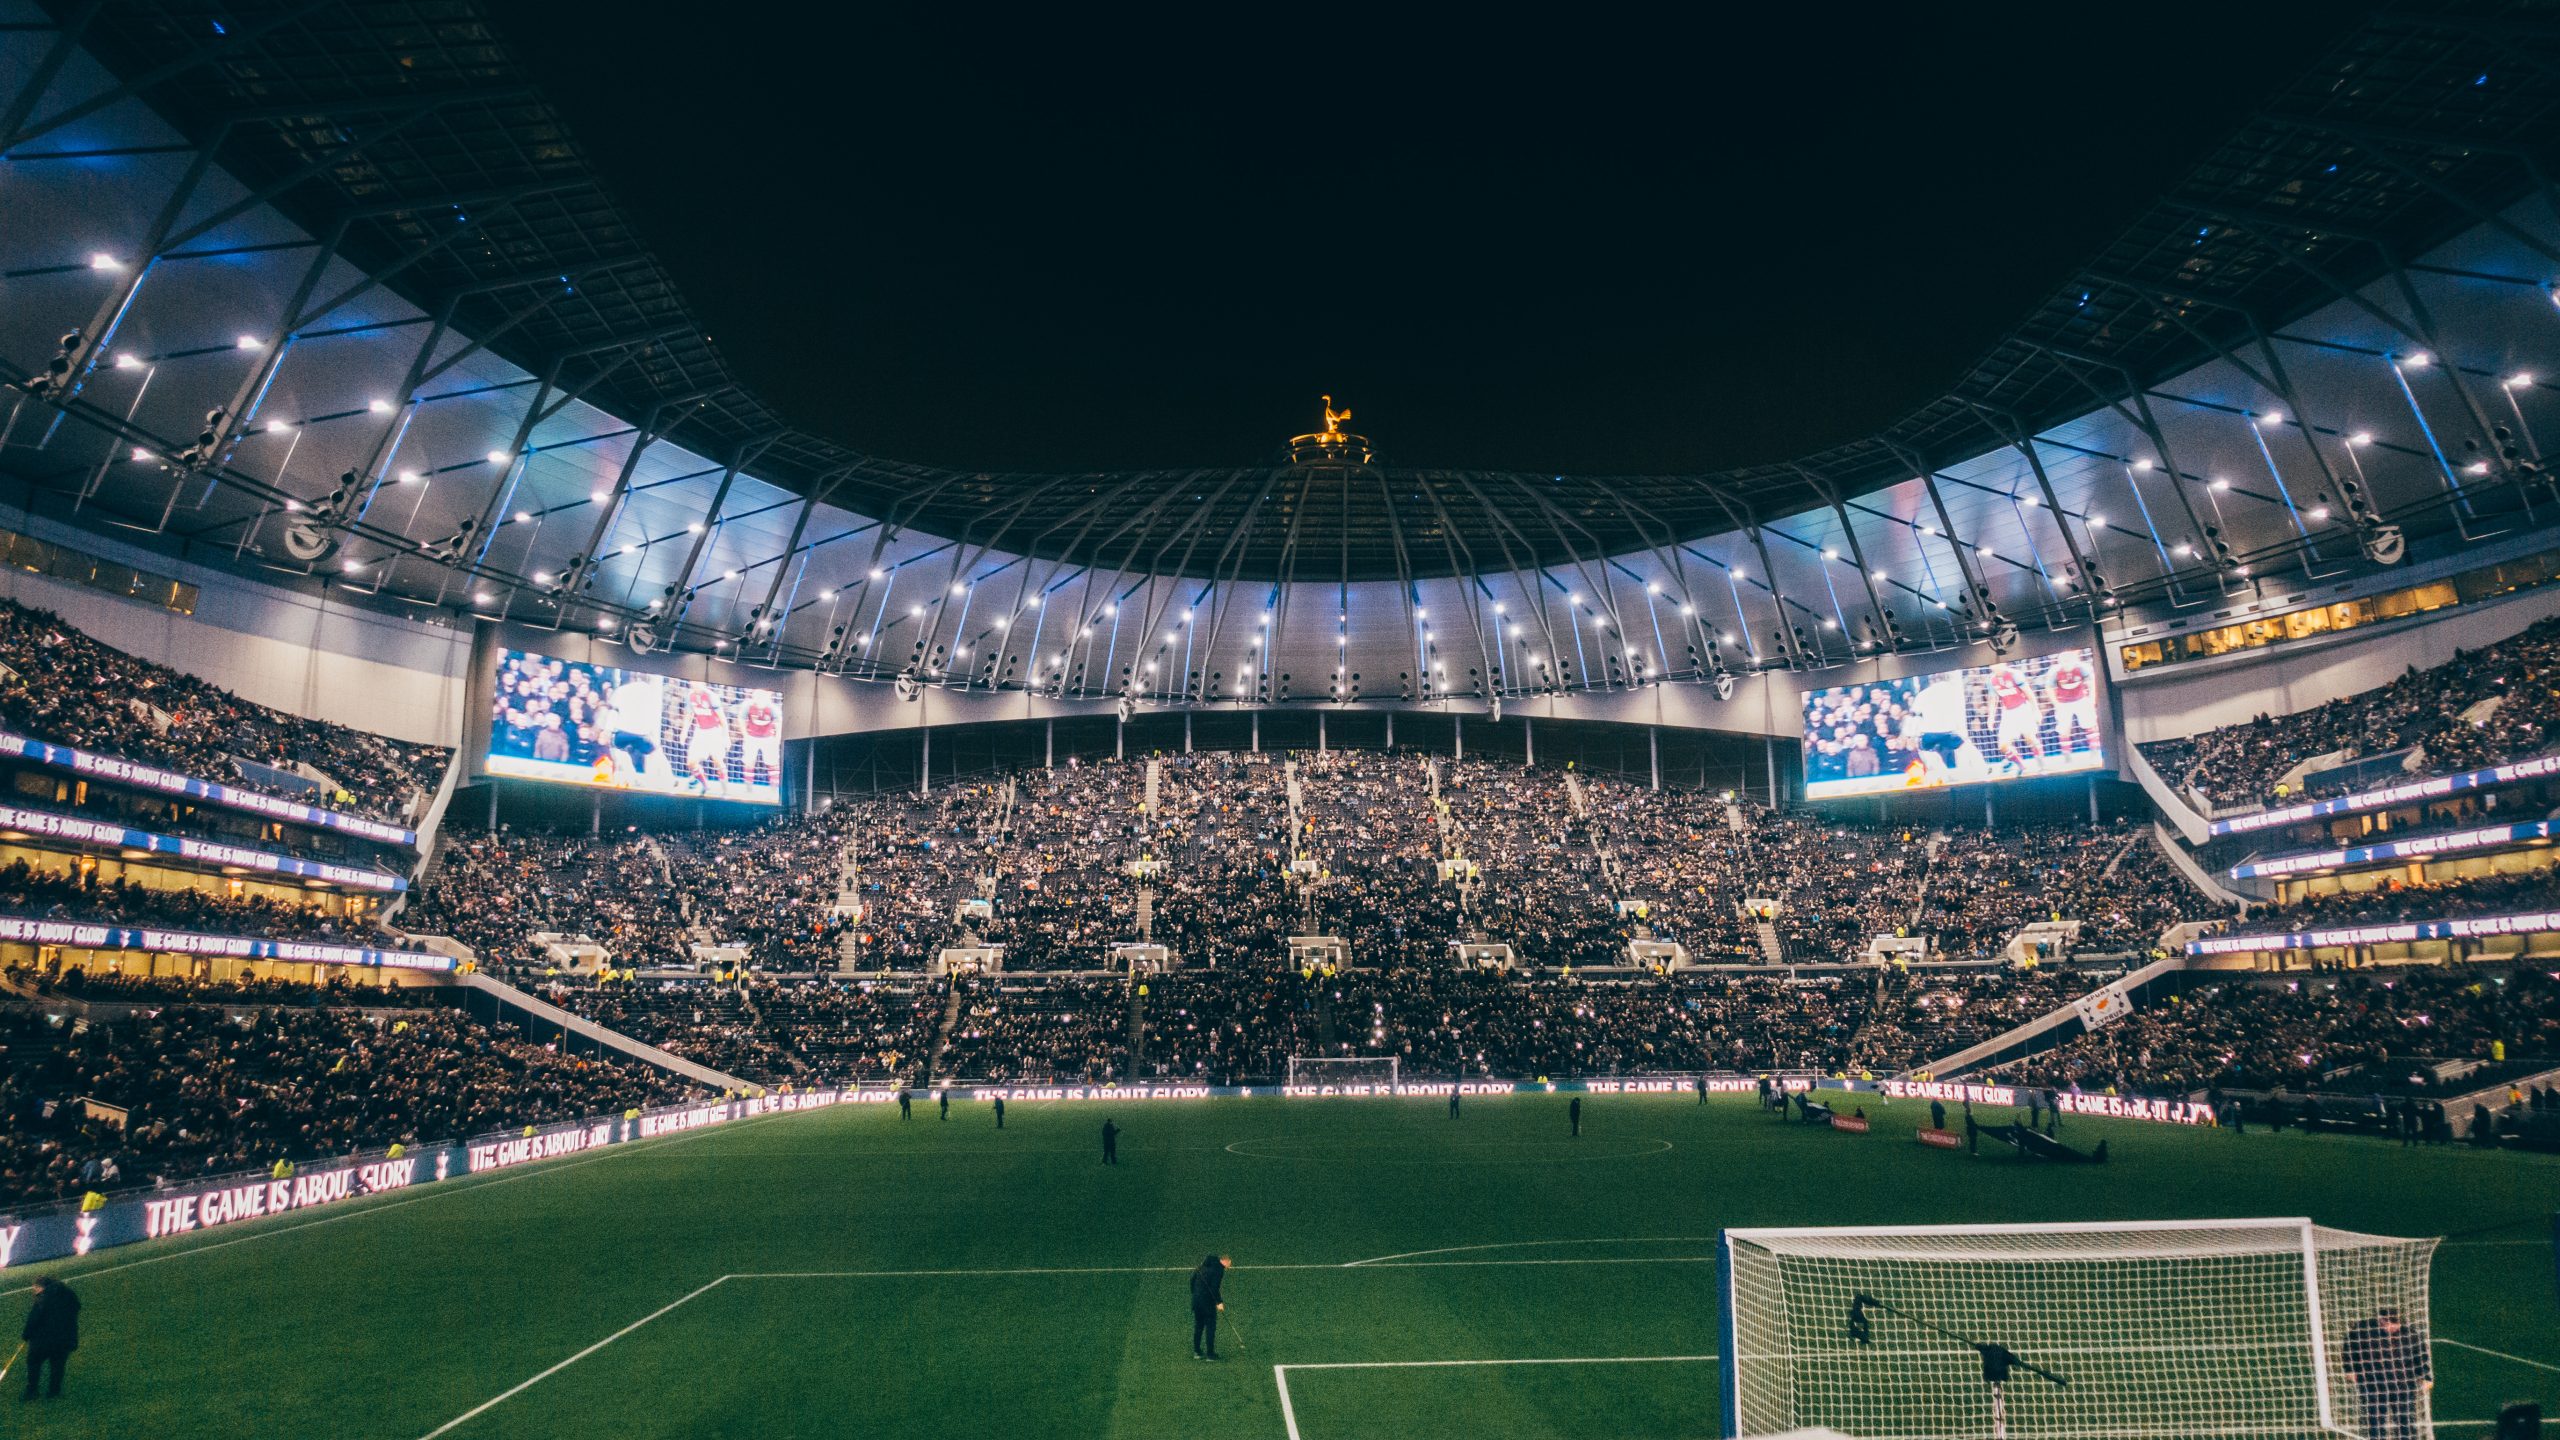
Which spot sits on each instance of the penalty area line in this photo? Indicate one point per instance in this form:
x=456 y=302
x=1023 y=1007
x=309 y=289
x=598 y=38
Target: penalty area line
x=2500 y=1354
x=1289 y=1411
x=521 y=1386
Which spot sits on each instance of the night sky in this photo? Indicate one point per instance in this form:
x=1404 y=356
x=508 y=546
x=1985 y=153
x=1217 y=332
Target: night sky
x=1589 y=244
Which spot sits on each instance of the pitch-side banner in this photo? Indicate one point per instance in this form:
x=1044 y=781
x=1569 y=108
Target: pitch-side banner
x=157 y=1214
x=170 y=782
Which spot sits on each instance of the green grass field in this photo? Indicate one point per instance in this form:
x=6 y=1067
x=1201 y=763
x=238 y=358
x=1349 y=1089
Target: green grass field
x=845 y=1273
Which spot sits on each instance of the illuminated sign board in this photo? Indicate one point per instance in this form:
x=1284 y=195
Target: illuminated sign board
x=2011 y=720
x=84 y=935
x=170 y=782
x=2538 y=768
x=2536 y=923
x=105 y=835
x=573 y=723
x=2486 y=837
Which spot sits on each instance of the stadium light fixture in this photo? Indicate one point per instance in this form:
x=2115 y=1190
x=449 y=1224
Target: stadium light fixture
x=2030 y=501
x=2097 y=522
x=1419 y=613
x=1877 y=572
x=2419 y=360
x=279 y=427
x=2319 y=514
x=499 y=457
x=128 y=362
x=1651 y=588
x=1687 y=609
x=599 y=496
x=732 y=574
x=2186 y=551
x=693 y=527
x=2520 y=379
x=2361 y=437
x=410 y=477
x=1110 y=610
x=1830 y=624
x=826 y=594
x=604 y=624
x=352 y=567
x=877 y=572
x=2142 y=467
x=101 y=260
x=1830 y=554
x=915 y=610
x=1739 y=573
x=140 y=454
x=629 y=549
x=248 y=342
x=2476 y=467
x=524 y=517
x=481 y=597
x=2220 y=484
x=378 y=407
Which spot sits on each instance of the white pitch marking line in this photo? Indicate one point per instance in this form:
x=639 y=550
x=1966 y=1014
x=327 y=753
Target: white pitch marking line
x=1534 y=1244
x=523 y=1385
x=2501 y=1354
x=1185 y=1269
x=1288 y=1412
x=458 y=1185
x=1540 y=1360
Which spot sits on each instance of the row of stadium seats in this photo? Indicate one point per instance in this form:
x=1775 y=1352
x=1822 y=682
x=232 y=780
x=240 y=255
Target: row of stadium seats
x=2239 y=764
x=185 y=1091
x=60 y=685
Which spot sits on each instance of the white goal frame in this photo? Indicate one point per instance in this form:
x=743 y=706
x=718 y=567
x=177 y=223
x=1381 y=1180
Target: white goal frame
x=1865 y=1329
x=1312 y=1069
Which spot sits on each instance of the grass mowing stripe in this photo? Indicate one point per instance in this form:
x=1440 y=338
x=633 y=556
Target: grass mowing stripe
x=521 y=1386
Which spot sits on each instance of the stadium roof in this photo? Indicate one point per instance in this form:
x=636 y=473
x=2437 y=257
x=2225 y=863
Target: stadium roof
x=404 y=139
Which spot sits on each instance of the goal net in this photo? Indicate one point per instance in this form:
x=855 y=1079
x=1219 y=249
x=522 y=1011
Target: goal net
x=2177 y=1328
x=1342 y=1070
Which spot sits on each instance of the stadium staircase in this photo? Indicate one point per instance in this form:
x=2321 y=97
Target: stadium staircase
x=1770 y=945
x=2185 y=864
x=2169 y=801
x=491 y=999
x=1137 y=1030
x=942 y=1032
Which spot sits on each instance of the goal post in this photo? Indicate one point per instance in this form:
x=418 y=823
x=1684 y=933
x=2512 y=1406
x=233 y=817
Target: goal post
x=2271 y=1329
x=1342 y=1070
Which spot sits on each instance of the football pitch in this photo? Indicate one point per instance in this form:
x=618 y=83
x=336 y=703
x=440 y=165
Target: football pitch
x=842 y=1272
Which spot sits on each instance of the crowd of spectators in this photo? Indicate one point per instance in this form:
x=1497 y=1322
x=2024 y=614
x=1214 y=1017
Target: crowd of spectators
x=74 y=892
x=190 y=1091
x=2240 y=764
x=2302 y=1034
x=118 y=987
x=58 y=684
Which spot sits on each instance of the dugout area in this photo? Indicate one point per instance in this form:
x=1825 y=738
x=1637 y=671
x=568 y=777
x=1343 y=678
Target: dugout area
x=843 y=1272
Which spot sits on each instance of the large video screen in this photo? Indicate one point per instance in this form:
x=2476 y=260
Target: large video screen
x=581 y=724
x=2009 y=721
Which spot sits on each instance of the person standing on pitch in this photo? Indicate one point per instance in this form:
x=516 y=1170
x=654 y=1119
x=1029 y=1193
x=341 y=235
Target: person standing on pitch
x=999 y=1112
x=945 y=1098
x=1702 y=1089
x=1110 y=1143
x=1453 y=1099
x=1937 y=1114
x=52 y=1332
x=2388 y=1359
x=1205 y=1306
x=1573 y=1113
x=904 y=1100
